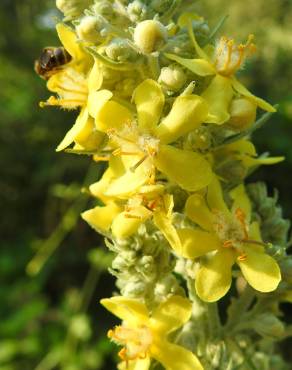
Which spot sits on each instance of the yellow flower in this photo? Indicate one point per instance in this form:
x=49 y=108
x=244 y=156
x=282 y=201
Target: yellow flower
x=124 y=218
x=226 y=237
x=143 y=144
x=227 y=59
x=244 y=152
x=144 y=335
x=75 y=84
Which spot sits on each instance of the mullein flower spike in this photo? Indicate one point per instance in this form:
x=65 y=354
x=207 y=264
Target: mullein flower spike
x=159 y=104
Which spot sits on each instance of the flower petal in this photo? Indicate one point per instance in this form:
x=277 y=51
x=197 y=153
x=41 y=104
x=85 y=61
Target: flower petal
x=164 y=224
x=127 y=309
x=171 y=314
x=197 y=210
x=95 y=78
x=214 y=277
x=129 y=182
x=96 y=101
x=196 y=243
x=258 y=101
x=189 y=170
x=127 y=223
x=80 y=125
x=260 y=270
x=69 y=40
x=111 y=115
x=149 y=100
x=101 y=218
x=241 y=200
x=215 y=197
x=187 y=113
x=140 y=364
x=174 y=357
x=200 y=67
x=218 y=96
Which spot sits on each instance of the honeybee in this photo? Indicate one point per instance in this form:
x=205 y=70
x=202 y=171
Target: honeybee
x=50 y=61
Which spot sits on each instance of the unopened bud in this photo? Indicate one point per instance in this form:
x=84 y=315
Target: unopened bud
x=242 y=113
x=268 y=325
x=104 y=8
x=89 y=29
x=119 y=50
x=149 y=36
x=72 y=8
x=172 y=77
x=137 y=11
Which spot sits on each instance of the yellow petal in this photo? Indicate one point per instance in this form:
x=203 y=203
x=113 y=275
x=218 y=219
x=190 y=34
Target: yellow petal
x=197 y=210
x=69 y=40
x=200 y=67
x=218 y=96
x=112 y=115
x=187 y=113
x=171 y=314
x=96 y=101
x=258 y=101
x=260 y=270
x=140 y=364
x=164 y=224
x=129 y=182
x=77 y=128
x=101 y=218
x=174 y=357
x=213 y=279
x=149 y=100
x=95 y=78
x=191 y=171
x=241 y=201
x=196 y=243
x=127 y=309
x=215 y=197
x=127 y=223
x=89 y=138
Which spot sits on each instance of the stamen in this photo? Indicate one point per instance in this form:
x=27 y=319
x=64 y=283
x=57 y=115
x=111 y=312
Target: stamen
x=67 y=103
x=250 y=241
x=97 y=158
x=133 y=168
x=240 y=215
x=228 y=244
x=242 y=257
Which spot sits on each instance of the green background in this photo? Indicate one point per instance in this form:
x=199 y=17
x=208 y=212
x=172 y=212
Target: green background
x=49 y=313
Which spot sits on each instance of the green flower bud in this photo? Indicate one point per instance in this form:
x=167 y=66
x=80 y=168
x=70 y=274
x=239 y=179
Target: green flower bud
x=149 y=36
x=89 y=29
x=242 y=113
x=119 y=50
x=104 y=8
x=126 y=87
x=286 y=270
x=268 y=325
x=72 y=8
x=172 y=77
x=137 y=11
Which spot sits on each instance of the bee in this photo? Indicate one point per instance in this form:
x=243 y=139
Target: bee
x=50 y=61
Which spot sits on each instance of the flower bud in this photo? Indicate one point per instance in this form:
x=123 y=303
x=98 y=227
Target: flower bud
x=172 y=77
x=149 y=36
x=89 y=29
x=137 y=11
x=242 y=113
x=119 y=50
x=72 y=8
x=286 y=270
x=103 y=8
x=268 y=325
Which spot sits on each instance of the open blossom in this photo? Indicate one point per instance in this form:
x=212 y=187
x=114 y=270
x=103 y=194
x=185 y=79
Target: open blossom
x=143 y=142
x=144 y=336
x=226 y=237
x=124 y=219
x=75 y=83
x=226 y=60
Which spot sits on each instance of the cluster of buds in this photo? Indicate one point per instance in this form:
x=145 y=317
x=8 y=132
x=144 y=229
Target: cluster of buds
x=159 y=102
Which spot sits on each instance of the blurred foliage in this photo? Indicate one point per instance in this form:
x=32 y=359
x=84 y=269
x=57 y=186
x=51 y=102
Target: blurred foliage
x=50 y=318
